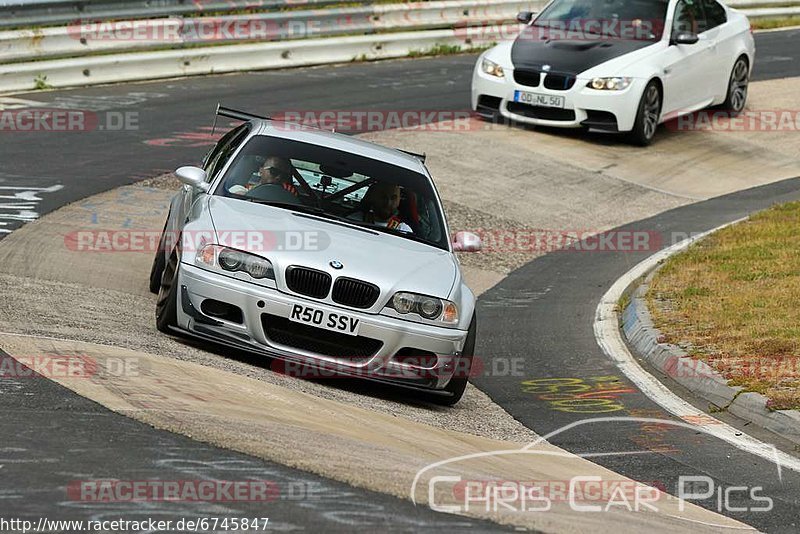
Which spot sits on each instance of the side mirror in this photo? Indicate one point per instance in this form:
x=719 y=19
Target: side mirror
x=524 y=17
x=685 y=38
x=193 y=177
x=466 y=242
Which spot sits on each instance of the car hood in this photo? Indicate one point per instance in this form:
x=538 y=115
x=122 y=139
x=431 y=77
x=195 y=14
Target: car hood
x=292 y=238
x=533 y=48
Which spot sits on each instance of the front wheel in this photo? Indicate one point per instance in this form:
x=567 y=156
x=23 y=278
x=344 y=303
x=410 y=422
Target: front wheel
x=737 y=87
x=157 y=269
x=458 y=384
x=159 y=261
x=647 y=116
x=167 y=303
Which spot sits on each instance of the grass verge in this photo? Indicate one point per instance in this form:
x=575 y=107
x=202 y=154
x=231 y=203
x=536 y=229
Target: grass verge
x=773 y=23
x=733 y=299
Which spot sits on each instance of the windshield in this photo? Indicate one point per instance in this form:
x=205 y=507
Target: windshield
x=613 y=19
x=336 y=185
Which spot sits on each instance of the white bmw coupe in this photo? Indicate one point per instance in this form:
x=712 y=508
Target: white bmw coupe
x=617 y=65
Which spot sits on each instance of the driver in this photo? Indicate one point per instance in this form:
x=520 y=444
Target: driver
x=274 y=170
x=381 y=202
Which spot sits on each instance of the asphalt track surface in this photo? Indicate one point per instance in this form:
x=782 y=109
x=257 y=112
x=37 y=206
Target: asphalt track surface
x=52 y=436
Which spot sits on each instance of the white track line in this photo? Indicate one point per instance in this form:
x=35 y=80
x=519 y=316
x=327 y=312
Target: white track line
x=609 y=337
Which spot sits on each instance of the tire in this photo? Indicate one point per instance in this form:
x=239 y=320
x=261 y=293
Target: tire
x=738 y=84
x=159 y=261
x=458 y=384
x=167 y=303
x=158 y=266
x=647 y=116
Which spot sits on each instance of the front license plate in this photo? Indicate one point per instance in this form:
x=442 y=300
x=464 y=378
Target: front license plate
x=338 y=322
x=538 y=99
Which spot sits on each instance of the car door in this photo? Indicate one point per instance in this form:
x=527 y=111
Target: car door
x=687 y=85
x=722 y=45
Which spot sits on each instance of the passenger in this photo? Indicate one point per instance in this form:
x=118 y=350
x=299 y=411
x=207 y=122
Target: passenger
x=274 y=170
x=380 y=207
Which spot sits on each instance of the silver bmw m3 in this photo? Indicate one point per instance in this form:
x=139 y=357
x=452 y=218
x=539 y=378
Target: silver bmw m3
x=327 y=253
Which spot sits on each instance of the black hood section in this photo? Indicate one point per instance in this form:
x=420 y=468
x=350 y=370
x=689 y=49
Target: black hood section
x=534 y=48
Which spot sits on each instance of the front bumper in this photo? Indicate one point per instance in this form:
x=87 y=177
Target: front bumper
x=583 y=106
x=264 y=308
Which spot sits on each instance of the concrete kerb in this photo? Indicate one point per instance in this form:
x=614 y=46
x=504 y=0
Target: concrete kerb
x=674 y=363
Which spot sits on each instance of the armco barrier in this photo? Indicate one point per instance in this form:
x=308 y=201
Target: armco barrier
x=22 y=13
x=85 y=38
x=220 y=59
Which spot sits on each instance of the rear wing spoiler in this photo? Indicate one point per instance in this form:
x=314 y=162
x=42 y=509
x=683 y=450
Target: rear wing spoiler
x=222 y=111
x=231 y=113
x=420 y=157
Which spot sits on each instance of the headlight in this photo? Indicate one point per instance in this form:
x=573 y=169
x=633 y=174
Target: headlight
x=219 y=258
x=431 y=308
x=491 y=68
x=609 y=84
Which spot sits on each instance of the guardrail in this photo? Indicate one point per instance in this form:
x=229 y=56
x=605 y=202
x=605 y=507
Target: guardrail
x=142 y=49
x=85 y=38
x=20 y=13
